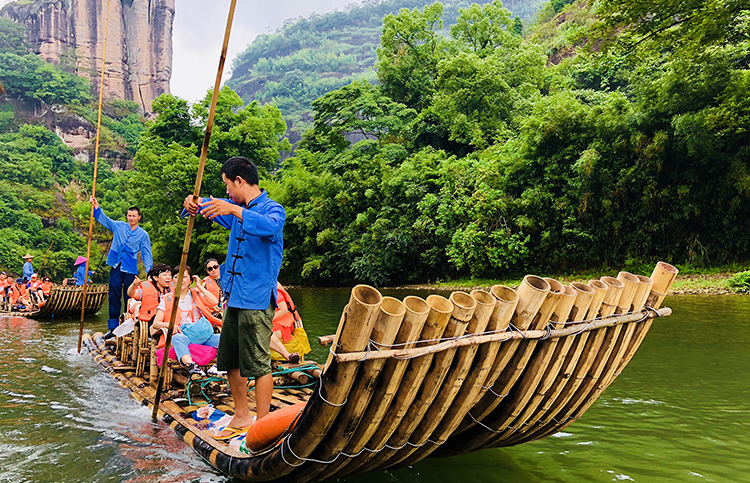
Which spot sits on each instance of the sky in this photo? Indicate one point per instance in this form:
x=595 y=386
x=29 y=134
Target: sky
x=198 y=33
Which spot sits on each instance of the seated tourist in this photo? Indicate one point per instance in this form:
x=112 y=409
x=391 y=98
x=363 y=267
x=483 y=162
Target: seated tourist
x=149 y=292
x=36 y=295
x=191 y=327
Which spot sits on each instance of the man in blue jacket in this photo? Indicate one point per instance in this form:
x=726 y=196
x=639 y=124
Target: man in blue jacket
x=254 y=254
x=127 y=240
x=28 y=268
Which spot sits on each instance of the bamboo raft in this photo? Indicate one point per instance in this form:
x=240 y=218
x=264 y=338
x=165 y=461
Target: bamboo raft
x=428 y=377
x=65 y=301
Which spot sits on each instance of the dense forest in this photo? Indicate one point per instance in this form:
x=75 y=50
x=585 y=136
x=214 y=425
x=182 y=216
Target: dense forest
x=309 y=57
x=605 y=134
x=44 y=189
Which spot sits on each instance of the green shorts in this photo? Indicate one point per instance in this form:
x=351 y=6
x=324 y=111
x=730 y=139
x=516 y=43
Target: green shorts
x=245 y=342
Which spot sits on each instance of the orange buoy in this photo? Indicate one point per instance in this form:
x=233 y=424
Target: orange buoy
x=268 y=429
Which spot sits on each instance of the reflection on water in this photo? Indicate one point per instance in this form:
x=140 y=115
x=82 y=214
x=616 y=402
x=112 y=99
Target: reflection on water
x=677 y=413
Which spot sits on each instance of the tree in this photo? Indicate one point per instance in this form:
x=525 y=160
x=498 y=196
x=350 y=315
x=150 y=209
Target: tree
x=411 y=48
x=359 y=109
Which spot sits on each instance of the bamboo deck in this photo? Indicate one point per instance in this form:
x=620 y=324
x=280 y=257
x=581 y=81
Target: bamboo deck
x=436 y=377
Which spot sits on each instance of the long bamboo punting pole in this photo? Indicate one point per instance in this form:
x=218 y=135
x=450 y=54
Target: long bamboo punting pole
x=196 y=194
x=93 y=186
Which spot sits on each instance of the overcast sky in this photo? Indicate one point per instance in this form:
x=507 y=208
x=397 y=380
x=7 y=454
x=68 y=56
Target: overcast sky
x=199 y=30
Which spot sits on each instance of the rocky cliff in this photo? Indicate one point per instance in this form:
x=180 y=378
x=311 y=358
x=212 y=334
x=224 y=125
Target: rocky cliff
x=138 y=63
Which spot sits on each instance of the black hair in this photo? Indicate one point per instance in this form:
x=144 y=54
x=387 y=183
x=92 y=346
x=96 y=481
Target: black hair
x=176 y=271
x=240 y=167
x=135 y=208
x=157 y=269
x=209 y=261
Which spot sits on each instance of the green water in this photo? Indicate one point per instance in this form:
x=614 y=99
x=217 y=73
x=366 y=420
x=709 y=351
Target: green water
x=679 y=412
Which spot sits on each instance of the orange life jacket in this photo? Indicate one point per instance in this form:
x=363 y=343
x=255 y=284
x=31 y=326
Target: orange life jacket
x=15 y=293
x=205 y=309
x=149 y=301
x=212 y=287
x=284 y=323
x=46 y=288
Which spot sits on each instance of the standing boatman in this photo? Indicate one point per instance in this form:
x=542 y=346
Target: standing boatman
x=28 y=268
x=128 y=239
x=256 y=246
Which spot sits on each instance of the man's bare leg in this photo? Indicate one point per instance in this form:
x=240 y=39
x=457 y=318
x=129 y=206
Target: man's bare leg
x=238 y=386
x=263 y=394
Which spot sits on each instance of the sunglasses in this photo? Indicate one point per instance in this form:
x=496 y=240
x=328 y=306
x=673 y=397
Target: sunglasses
x=212 y=268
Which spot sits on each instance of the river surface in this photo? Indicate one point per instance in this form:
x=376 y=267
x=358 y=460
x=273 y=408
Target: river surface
x=678 y=413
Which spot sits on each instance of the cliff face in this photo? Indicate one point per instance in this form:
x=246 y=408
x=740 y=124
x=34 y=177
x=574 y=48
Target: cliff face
x=139 y=42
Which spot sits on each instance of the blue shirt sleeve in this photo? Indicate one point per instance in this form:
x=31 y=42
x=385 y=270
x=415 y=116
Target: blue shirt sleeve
x=264 y=225
x=148 y=259
x=104 y=220
x=223 y=220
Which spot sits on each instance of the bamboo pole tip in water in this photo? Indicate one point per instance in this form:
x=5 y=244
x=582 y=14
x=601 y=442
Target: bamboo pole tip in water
x=536 y=283
x=416 y=305
x=504 y=294
x=366 y=295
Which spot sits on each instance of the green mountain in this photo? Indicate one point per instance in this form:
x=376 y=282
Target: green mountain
x=309 y=57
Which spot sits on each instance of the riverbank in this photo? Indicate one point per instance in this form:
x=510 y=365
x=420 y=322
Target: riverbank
x=689 y=281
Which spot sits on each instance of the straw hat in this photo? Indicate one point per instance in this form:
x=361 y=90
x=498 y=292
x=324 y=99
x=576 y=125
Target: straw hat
x=79 y=260
x=28 y=255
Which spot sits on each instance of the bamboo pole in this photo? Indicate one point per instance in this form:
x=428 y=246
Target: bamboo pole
x=510 y=386
x=551 y=370
x=507 y=300
x=417 y=311
x=335 y=383
x=93 y=187
x=410 y=429
x=434 y=327
x=568 y=360
x=384 y=331
x=450 y=405
x=196 y=194
x=531 y=295
x=665 y=274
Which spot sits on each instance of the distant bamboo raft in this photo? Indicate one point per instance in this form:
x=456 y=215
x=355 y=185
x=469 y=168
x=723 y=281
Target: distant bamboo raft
x=65 y=300
x=437 y=376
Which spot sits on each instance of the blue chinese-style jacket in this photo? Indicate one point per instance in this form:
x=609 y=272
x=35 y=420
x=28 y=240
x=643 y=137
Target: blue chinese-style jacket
x=254 y=254
x=126 y=244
